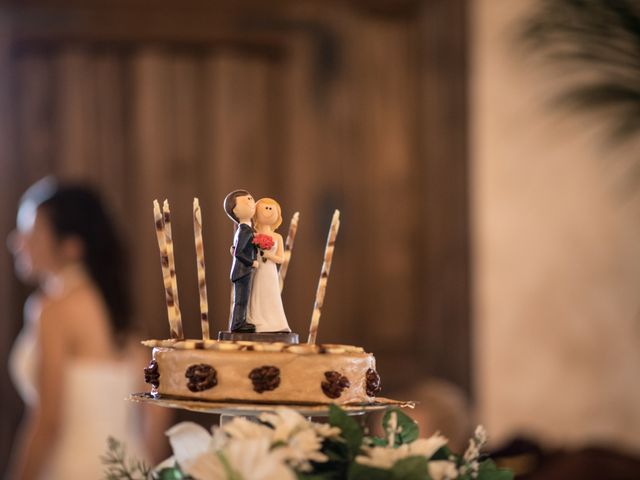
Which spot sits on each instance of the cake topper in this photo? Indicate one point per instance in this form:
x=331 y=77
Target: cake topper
x=241 y=207
x=167 y=263
x=202 y=279
x=288 y=248
x=324 y=276
x=265 y=302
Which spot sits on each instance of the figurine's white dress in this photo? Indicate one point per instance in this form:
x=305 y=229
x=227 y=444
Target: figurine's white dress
x=265 y=309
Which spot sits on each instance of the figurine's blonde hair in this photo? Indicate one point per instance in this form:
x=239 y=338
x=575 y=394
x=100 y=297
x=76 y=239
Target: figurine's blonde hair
x=269 y=201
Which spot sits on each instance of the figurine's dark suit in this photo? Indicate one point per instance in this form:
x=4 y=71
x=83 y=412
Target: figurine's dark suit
x=241 y=272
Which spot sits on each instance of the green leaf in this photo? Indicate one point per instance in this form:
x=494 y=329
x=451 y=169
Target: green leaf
x=317 y=476
x=379 y=442
x=443 y=453
x=172 y=473
x=351 y=430
x=408 y=428
x=410 y=468
x=358 y=471
x=489 y=471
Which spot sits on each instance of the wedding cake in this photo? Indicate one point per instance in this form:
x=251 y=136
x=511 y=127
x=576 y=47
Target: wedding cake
x=262 y=372
x=258 y=360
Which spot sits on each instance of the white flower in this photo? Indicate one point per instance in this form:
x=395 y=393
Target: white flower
x=325 y=430
x=385 y=457
x=193 y=449
x=240 y=428
x=188 y=440
x=472 y=452
x=302 y=448
x=301 y=440
x=252 y=459
x=480 y=435
x=442 y=470
x=285 y=422
x=428 y=446
x=206 y=466
x=382 y=457
x=205 y=457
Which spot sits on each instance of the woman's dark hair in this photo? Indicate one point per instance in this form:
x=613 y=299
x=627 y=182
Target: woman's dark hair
x=76 y=210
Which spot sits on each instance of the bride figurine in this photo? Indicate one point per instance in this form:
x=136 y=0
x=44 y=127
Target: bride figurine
x=265 y=303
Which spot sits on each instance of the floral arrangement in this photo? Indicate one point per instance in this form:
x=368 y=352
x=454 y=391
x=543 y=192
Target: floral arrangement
x=285 y=446
x=263 y=242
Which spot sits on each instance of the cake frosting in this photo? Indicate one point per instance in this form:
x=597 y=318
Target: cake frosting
x=257 y=372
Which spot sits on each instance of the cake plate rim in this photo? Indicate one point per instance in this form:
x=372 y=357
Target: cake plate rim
x=255 y=409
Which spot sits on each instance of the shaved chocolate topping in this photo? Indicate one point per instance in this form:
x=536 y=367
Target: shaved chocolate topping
x=265 y=378
x=373 y=385
x=335 y=384
x=201 y=377
x=151 y=374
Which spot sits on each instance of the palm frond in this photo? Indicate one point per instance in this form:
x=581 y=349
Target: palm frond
x=598 y=42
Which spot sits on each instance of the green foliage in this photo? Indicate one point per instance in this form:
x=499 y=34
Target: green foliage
x=118 y=467
x=410 y=468
x=364 y=472
x=407 y=429
x=443 y=453
x=341 y=453
x=351 y=431
x=596 y=43
x=489 y=471
x=172 y=473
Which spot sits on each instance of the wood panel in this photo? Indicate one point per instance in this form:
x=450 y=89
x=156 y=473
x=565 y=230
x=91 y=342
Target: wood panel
x=34 y=112
x=443 y=141
x=10 y=293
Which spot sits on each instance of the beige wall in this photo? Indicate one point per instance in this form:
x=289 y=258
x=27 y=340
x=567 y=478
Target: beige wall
x=556 y=256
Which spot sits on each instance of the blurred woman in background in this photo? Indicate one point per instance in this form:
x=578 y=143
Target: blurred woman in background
x=76 y=359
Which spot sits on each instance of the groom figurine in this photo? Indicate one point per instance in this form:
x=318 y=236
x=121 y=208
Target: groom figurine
x=240 y=207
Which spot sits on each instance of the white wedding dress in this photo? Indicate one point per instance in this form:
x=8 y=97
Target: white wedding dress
x=265 y=308
x=93 y=408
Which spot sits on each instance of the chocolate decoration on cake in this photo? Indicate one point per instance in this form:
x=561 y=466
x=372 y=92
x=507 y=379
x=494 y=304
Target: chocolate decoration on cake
x=151 y=374
x=373 y=385
x=265 y=378
x=335 y=384
x=201 y=377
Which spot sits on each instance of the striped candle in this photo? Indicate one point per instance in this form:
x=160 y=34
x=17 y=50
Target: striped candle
x=324 y=277
x=202 y=279
x=288 y=247
x=173 y=311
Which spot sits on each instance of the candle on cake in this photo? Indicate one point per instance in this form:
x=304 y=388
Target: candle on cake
x=324 y=277
x=202 y=281
x=173 y=310
x=288 y=247
x=168 y=237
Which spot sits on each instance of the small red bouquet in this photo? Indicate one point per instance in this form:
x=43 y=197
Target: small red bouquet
x=263 y=242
